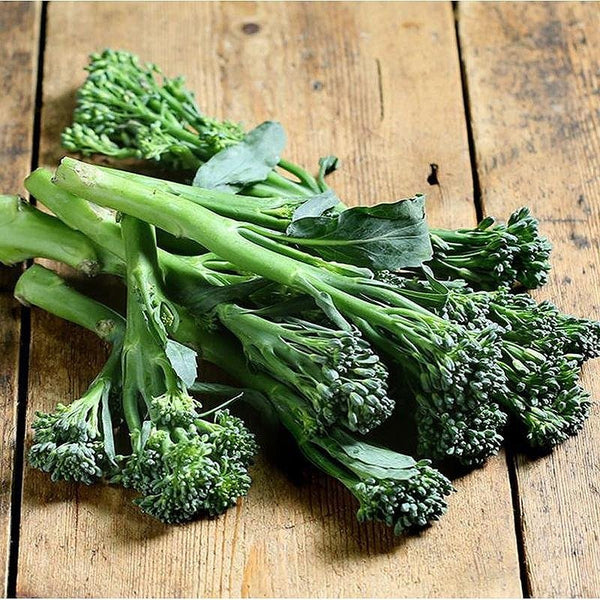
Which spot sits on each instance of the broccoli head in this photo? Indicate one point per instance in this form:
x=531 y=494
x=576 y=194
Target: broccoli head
x=130 y=110
x=75 y=442
x=336 y=370
x=493 y=255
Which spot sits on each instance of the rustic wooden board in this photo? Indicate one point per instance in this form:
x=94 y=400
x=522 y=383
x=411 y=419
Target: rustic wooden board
x=19 y=29
x=538 y=143
x=379 y=84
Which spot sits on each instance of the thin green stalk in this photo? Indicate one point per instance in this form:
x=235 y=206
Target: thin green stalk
x=302 y=174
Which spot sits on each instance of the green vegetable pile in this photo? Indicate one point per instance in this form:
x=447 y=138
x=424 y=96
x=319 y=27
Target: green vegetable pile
x=314 y=308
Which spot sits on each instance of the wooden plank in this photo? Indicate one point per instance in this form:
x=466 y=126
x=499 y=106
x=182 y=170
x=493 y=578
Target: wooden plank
x=380 y=85
x=532 y=73
x=19 y=29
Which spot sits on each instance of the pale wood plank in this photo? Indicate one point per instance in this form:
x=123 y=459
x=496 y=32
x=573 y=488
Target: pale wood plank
x=19 y=29
x=532 y=73
x=380 y=85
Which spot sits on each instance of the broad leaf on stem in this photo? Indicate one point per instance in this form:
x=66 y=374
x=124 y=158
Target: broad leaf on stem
x=316 y=206
x=386 y=236
x=246 y=162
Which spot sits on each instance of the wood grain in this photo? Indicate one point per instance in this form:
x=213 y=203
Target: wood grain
x=379 y=84
x=533 y=78
x=19 y=28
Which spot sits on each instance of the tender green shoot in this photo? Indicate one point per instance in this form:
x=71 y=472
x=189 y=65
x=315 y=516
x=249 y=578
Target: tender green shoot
x=75 y=442
x=335 y=370
x=130 y=110
x=493 y=255
x=181 y=464
x=126 y=109
x=544 y=326
x=392 y=488
x=542 y=392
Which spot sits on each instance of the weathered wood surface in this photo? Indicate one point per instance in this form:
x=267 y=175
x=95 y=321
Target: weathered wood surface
x=19 y=28
x=379 y=84
x=533 y=76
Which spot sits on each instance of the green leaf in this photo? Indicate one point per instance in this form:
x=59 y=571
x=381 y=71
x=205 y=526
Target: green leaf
x=183 y=360
x=385 y=236
x=369 y=460
x=327 y=165
x=316 y=206
x=247 y=162
x=107 y=426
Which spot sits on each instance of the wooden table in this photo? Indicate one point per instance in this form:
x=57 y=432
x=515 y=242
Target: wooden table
x=504 y=99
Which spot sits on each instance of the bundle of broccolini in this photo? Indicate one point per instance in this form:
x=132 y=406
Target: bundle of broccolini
x=306 y=302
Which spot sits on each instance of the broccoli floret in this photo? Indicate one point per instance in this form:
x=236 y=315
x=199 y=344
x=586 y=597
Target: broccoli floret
x=461 y=417
x=405 y=504
x=183 y=472
x=581 y=336
x=126 y=109
x=392 y=488
x=75 y=443
x=493 y=255
x=543 y=325
x=182 y=464
x=334 y=369
x=541 y=393
x=457 y=381
x=545 y=397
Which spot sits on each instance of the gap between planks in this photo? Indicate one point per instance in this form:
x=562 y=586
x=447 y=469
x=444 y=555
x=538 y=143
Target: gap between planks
x=24 y=343
x=480 y=211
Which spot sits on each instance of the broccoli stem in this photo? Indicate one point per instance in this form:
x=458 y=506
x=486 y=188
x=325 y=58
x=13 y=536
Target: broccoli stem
x=240 y=245
x=271 y=212
x=146 y=369
x=182 y=274
x=78 y=215
x=302 y=174
x=25 y=231
x=41 y=287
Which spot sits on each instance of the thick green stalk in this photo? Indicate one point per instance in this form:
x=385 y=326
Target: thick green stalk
x=176 y=215
x=43 y=288
x=230 y=240
x=146 y=371
x=77 y=213
x=268 y=212
x=25 y=231
x=181 y=273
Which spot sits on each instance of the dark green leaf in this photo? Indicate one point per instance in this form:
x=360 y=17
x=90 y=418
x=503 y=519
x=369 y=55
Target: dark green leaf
x=249 y=161
x=183 y=360
x=370 y=460
x=385 y=236
x=327 y=165
x=316 y=206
